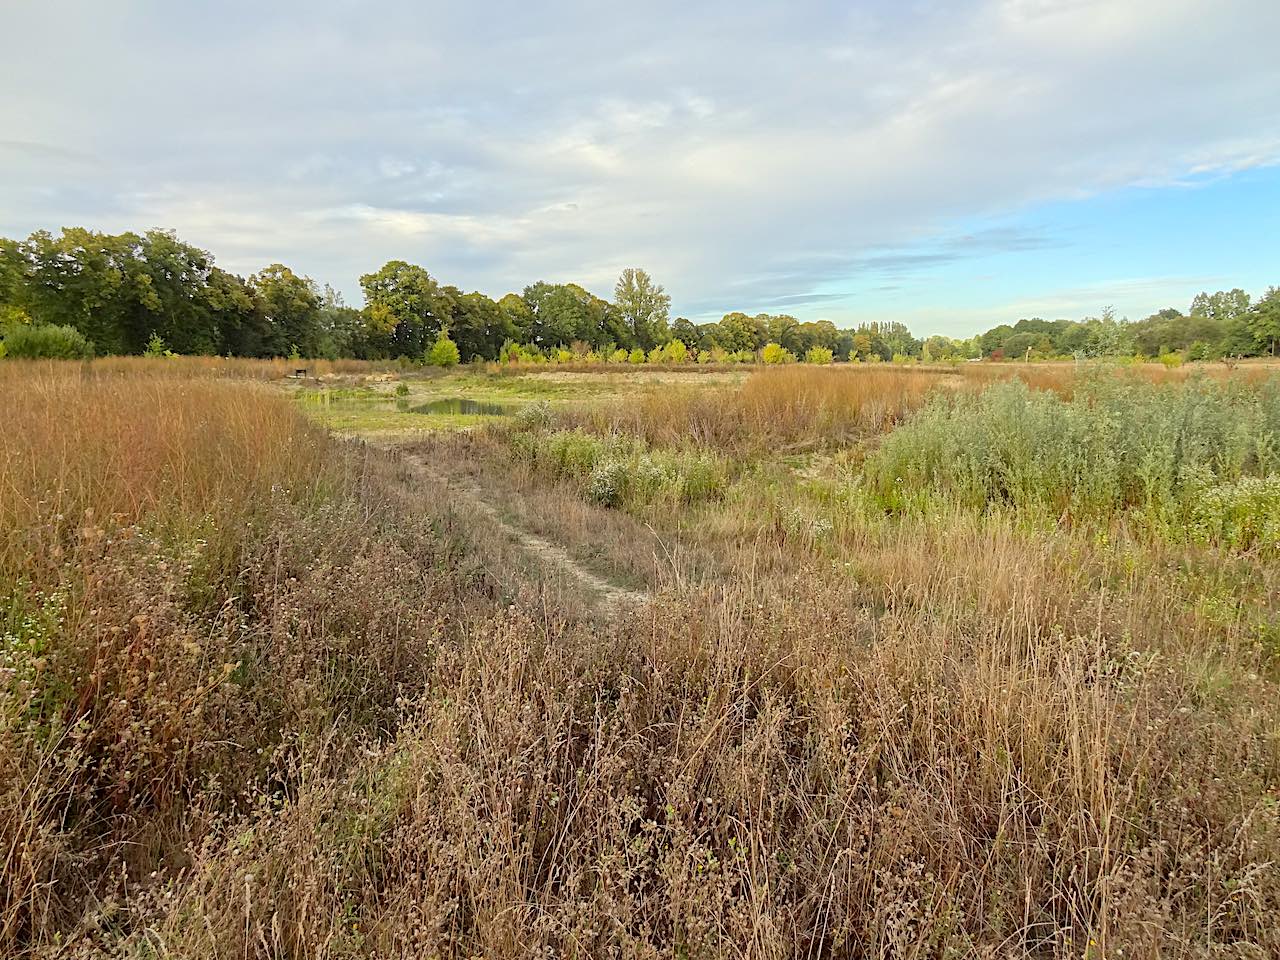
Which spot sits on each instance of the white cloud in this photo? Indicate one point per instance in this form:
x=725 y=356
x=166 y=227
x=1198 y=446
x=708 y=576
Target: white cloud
x=719 y=145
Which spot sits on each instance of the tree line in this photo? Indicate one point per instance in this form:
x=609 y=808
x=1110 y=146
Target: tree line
x=134 y=293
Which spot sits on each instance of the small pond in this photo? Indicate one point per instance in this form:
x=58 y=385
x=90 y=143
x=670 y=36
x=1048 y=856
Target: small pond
x=456 y=405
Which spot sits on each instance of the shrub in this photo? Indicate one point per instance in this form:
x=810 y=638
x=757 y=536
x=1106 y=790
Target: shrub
x=676 y=352
x=444 y=352
x=636 y=356
x=1200 y=350
x=156 y=347
x=618 y=356
x=606 y=483
x=1243 y=515
x=1171 y=359
x=705 y=356
x=42 y=341
x=774 y=353
x=819 y=355
x=536 y=416
x=1155 y=448
x=618 y=471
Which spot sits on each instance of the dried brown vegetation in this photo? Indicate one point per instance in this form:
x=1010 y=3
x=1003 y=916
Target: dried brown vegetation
x=776 y=408
x=367 y=730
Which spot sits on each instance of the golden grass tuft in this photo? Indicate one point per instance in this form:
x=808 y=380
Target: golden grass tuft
x=82 y=452
x=783 y=408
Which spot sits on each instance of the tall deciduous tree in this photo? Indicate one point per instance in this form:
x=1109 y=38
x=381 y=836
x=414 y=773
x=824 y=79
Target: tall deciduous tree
x=643 y=306
x=290 y=306
x=1264 y=319
x=405 y=308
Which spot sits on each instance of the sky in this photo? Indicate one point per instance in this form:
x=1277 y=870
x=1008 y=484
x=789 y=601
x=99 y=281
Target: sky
x=948 y=164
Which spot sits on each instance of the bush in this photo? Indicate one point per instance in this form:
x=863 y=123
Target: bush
x=607 y=482
x=617 y=471
x=636 y=356
x=46 y=342
x=444 y=352
x=513 y=352
x=1243 y=515
x=1114 y=446
x=676 y=352
x=156 y=347
x=776 y=353
x=536 y=416
x=818 y=355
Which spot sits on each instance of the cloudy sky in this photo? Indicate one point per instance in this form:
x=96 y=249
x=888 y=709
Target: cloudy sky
x=949 y=164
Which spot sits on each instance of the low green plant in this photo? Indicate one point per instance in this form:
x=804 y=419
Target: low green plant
x=1153 y=451
x=156 y=347
x=1243 y=515
x=535 y=416
x=43 y=341
x=620 y=471
x=444 y=352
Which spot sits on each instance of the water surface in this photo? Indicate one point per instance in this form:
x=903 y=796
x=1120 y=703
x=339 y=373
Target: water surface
x=457 y=405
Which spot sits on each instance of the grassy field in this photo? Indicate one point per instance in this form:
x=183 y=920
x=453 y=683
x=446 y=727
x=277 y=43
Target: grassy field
x=840 y=662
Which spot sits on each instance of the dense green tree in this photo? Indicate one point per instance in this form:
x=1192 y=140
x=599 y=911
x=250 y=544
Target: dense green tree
x=816 y=334
x=686 y=331
x=737 y=331
x=89 y=281
x=405 y=309
x=342 y=328
x=174 y=277
x=1264 y=320
x=565 y=313
x=1223 y=305
x=479 y=326
x=643 y=307
x=242 y=327
x=518 y=316
x=782 y=330
x=290 y=306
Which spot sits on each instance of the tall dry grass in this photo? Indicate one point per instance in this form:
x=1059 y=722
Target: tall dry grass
x=165 y=545
x=105 y=451
x=190 y=367
x=949 y=736
x=805 y=776
x=781 y=408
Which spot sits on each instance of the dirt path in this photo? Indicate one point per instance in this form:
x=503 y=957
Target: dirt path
x=609 y=597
